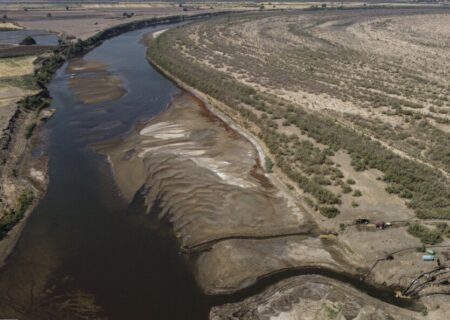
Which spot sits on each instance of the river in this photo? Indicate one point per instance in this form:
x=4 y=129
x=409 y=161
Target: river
x=16 y=36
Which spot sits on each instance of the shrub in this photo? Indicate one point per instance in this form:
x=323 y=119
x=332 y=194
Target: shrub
x=28 y=41
x=269 y=165
x=329 y=212
x=29 y=130
x=346 y=188
x=425 y=235
x=309 y=202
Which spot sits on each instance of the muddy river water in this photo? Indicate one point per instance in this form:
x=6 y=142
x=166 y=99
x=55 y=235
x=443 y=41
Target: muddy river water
x=86 y=252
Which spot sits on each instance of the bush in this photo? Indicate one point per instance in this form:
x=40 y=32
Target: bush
x=29 y=130
x=329 y=212
x=28 y=41
x=425 y=235
x=269 y=165
x=357 y=193
x=346 y=188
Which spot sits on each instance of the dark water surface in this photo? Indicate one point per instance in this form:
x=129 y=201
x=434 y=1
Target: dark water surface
x=16 y=36
x=82 y=239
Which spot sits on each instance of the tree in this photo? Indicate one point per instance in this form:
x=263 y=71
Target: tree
x=28 y=40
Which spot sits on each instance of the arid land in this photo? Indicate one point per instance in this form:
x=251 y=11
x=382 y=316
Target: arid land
x=351 y=108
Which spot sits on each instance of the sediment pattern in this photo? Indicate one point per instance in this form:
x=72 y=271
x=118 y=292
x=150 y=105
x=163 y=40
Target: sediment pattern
x=310 y=297
x=203 y=177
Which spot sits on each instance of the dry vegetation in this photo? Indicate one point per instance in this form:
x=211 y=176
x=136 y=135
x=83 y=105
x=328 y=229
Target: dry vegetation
x=7 y=26
x=353 y=106
x=15 y=82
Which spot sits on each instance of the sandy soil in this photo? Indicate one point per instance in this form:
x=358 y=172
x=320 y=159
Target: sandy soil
x=92 y=82
x=237 y=263
x=310 y=297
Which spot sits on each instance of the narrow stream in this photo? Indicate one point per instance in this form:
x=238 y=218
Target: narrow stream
x=83 y=248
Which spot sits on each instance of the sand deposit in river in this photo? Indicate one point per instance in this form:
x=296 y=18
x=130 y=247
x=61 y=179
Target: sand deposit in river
x=92 y=82
x=205 y=177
